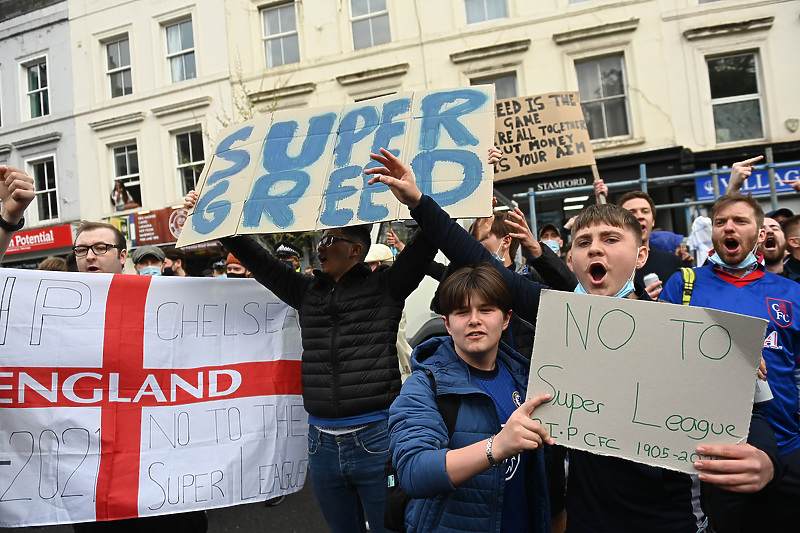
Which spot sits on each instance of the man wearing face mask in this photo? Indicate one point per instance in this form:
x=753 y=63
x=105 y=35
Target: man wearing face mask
x=289 y=254
x=148 y=260
x=173 y=263
x=234 y=268
x=550 y=237
x=734 y=279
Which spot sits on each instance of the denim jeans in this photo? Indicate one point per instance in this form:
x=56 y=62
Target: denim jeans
x=348 y=468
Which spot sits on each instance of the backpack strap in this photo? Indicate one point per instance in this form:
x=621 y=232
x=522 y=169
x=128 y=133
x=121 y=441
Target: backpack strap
x=689 y=276
x=447 y=404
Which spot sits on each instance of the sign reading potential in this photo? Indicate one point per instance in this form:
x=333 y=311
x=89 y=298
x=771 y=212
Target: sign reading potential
x=40 y=239
x=642 y=381
x=299 y=170
x=541 y=133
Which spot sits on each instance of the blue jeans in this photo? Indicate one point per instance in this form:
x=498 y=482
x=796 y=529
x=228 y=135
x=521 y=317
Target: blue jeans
x=348 y=468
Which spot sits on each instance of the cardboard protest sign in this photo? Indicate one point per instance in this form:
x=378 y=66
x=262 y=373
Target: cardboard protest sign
x=300 y=170
x=125 y=396
x=642 y=381
x=541 y=133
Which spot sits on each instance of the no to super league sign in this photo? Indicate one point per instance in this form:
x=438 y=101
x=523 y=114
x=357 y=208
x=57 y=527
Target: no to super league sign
x=125 y=396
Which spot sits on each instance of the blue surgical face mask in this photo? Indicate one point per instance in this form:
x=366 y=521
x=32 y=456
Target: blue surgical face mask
x=150 y=271
x=553 y=245
x=747 y=262
x=496 y=255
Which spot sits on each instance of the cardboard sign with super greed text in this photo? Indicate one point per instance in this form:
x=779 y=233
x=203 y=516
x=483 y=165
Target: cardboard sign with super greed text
x=299 y=170
x=125 y=396
x=644 y=381
x=541 y=133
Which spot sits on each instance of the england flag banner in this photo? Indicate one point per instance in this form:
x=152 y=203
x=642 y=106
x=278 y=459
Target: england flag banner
x=128 y=396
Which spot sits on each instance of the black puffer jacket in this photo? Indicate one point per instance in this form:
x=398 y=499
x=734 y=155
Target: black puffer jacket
x=349 y=327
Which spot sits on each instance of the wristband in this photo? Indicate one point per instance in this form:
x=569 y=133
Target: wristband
x=489 y=453
x=9 y=227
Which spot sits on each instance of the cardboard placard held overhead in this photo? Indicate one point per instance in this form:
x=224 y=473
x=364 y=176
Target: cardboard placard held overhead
x=643 y=381
x=300 y=170
x=541 y=133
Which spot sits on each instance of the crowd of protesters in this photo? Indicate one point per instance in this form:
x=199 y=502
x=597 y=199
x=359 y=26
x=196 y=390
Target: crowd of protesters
x=488 y=465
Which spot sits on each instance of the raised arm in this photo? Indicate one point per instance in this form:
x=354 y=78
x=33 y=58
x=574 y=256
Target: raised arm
x=267 y=269
x=16 y=193
x=453 y=240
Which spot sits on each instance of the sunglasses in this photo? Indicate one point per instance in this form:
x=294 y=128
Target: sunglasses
x=328 y=240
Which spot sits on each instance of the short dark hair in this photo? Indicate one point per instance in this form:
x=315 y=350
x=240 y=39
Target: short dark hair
x=87 y=225
x=175 y=254
x=610 y=214
x=482 y=280
x=499 y=229
x=630 y=195
x=790 y=225
x=360 y=234
x=732 y=198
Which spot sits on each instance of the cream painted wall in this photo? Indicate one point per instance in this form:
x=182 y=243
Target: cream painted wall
x=667 y=81
x=159 y=106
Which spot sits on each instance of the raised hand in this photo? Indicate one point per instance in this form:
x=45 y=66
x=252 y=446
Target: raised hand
x=397 y=176
x=16 y=193
x=740 y=172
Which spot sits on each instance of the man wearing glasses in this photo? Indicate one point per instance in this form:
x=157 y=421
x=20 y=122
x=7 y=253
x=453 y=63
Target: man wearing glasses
x=349 y=317
x=101 y=248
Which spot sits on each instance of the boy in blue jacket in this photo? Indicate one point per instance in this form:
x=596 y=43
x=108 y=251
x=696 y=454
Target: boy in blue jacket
x=604 y=493
x=489 y=475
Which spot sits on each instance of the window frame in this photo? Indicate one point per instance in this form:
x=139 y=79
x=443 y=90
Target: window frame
x=110 y=73
x=180 y=167
x=368 y=17
x=492 y=78
x=41 y=90
x=138 y=176
x=278 y=36
x=486 y=11
x=604 y=99
x=757 y=96
x=183 y=52
x=32 y=212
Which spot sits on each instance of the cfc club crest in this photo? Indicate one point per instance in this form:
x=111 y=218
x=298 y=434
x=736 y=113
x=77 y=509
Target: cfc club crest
x=780 y=311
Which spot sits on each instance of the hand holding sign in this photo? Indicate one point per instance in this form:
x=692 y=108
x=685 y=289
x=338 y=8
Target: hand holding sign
x=397 y=176
x=740 y=172
x=741 y=468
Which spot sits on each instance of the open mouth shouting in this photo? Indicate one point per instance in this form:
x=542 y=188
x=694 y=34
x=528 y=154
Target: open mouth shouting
x=732 y=245
x=597 y=273
x=770 y=243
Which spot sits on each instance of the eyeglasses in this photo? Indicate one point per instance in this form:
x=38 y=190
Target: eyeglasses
x=97 y=249
x=327 y=240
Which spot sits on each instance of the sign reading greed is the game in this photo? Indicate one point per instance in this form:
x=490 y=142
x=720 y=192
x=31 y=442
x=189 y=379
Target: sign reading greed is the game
x=299 y=170
x=125 y=396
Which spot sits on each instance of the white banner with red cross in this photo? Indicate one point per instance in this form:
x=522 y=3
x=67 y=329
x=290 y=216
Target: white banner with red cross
x=125 y=396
